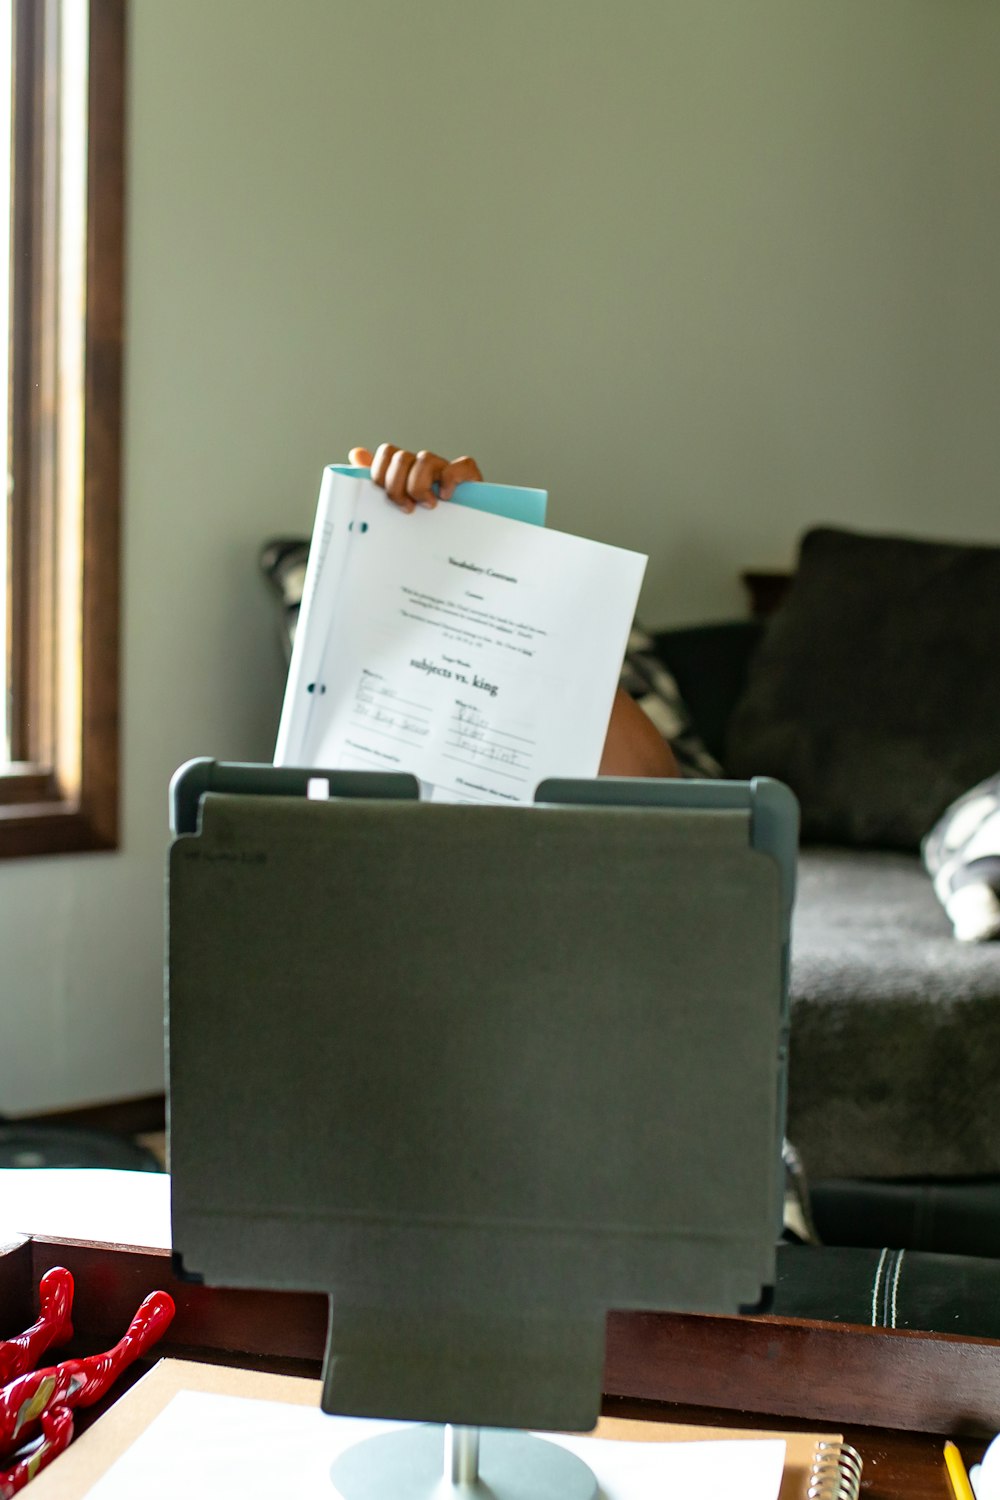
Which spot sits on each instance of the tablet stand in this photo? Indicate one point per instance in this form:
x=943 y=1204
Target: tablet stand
x=431 y=1463
x=483 y=1073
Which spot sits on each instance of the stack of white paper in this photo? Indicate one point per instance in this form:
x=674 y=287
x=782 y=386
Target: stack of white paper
x=205 y=1446
x=478 y=653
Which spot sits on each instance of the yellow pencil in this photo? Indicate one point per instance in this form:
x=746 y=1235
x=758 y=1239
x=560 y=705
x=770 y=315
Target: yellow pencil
x=956 y=1473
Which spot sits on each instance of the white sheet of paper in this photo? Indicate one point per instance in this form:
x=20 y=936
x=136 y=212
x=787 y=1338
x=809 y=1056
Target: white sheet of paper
x=86 y=1203
x=480 y=654
x=206 y=1446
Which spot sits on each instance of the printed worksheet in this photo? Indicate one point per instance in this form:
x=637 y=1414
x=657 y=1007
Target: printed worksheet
x=478 y=653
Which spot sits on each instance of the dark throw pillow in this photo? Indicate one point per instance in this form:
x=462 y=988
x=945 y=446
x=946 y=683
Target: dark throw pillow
x=962 y=855
x=873 y=693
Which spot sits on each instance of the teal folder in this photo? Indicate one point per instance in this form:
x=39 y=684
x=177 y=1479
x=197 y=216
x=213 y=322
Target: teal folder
x=513 y=501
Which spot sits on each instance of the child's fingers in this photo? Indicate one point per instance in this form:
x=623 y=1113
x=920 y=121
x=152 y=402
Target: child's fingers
x=459 y=471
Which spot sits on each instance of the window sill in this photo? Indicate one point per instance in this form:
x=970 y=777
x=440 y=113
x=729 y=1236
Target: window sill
x=36 y=819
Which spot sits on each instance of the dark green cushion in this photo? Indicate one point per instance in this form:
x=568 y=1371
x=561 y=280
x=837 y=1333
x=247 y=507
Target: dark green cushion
x=958 y=1216
x=873 y=693
x=884 y=1288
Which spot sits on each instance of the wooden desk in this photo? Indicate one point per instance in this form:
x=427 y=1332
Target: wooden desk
x=893 y=1394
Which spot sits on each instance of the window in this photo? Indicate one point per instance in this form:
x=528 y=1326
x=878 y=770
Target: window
x=63 y=83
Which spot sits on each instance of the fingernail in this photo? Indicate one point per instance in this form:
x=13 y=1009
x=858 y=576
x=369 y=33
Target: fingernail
x=428 y=504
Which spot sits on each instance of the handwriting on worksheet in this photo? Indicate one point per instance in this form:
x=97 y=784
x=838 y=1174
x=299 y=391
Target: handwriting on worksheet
x=380 y=709
x=478 y=740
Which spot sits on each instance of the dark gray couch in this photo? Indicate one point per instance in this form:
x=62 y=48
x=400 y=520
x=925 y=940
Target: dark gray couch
x=872 y=691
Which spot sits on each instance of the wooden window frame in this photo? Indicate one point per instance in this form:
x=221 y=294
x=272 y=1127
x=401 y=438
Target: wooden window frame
x=59 y=793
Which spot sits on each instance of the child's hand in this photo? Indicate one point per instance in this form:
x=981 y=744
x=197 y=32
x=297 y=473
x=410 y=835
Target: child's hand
x=409 y=478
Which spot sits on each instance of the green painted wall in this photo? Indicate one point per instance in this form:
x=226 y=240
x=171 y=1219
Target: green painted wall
x=711 y=270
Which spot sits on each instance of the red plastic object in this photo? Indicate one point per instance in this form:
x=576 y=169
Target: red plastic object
x=55 y=1301
x=57 y=1432
x=79 y=1382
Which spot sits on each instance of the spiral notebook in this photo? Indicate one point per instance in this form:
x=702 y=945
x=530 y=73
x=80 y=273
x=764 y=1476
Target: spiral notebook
x=220 y=1429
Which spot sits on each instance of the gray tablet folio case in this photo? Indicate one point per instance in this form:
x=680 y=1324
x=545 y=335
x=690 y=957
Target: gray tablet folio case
x=481 y=1073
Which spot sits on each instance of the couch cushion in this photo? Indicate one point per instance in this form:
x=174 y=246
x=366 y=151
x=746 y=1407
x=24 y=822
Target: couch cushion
x=873 y=692
x=895 y=1026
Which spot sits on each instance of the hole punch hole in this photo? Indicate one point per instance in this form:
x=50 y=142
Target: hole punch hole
x=318 y=789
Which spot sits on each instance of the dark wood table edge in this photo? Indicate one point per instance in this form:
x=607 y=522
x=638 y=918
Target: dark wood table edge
x=894 y=1393
x=817 y=1372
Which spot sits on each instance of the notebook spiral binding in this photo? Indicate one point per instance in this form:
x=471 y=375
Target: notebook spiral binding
x=835 y=1473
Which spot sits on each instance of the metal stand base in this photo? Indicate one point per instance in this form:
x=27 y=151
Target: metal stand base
x=432 y=1463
